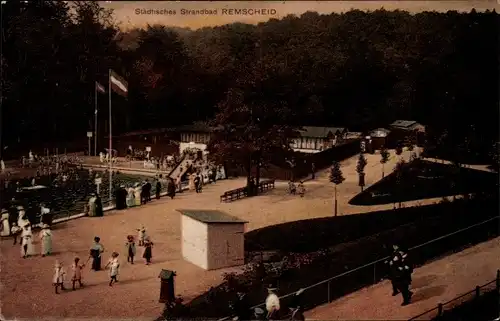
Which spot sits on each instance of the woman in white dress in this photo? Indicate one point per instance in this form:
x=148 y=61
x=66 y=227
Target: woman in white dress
x=191 y=182
x=137 y=194
x=46 y=238
x=5 y=223
x=27 y=248
x=22 y=220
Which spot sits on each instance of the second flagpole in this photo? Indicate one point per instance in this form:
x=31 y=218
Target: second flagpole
x=110 y=152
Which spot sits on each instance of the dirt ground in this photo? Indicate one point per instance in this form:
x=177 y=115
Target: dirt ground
x=26 y=283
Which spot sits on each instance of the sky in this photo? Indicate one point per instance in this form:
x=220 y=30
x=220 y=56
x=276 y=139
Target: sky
x=170 y=13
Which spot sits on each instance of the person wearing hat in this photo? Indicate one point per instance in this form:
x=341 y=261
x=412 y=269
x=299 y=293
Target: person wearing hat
x=5 y=223
x=272 y=303
x=241 y=305
x=392 y=263
x=114 y=266
x=22 y=219
x=399 y=276
x=130 y=245
x=58 y=278
x=46 y=238
x=148 y=250
x=27 y=249
x=95 y=253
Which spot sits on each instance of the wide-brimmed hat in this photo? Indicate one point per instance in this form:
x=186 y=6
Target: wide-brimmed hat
x=20 y=208
x=45 y=226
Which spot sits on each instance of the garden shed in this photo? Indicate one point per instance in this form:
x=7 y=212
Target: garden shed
x=212 y=239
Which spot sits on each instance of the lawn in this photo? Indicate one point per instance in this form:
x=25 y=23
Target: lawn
x=422 y=179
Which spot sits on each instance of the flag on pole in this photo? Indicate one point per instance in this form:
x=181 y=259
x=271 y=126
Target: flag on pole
x=100 y=88
x=118 y=84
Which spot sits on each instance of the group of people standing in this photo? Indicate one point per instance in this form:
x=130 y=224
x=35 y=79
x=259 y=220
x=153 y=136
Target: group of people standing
x=140 y=194
x=23 y=228
x=400 y=271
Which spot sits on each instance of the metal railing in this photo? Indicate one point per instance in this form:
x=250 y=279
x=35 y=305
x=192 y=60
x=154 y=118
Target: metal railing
x=364 y=275
x=461 y=299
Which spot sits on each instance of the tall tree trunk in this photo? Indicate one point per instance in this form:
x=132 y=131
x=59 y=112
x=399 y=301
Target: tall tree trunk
x=249 y=171
x=336 y=209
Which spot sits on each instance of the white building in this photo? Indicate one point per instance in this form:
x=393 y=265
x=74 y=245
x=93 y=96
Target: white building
x=212 y=239
x=315 y=139
x=194 y=136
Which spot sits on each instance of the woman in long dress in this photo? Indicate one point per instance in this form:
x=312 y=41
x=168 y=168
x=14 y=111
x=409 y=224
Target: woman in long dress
x=5 y=223
x=46 y=238
x=22 y=219
x=130 y=197
x=27 y=248
x=137 y=194
x=95 y=253
x=191 y=185
x=91 y=205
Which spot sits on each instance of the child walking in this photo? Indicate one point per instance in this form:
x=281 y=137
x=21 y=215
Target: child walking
x=58 y=279
x=141 y=235
x=15 y=231
x=148 y=250
x=77 y=273
x=113 y=268
x=130 y=249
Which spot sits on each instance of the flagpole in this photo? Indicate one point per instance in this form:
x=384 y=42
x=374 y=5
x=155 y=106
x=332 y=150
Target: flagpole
x=95 y=121
x=110 y=142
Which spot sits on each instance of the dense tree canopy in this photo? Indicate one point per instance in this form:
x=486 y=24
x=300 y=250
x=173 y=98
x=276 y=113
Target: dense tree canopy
x=360 y=70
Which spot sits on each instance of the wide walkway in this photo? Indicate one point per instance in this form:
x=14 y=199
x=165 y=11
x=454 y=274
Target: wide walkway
x=437 y=282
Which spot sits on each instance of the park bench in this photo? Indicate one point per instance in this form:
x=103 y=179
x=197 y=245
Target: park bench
x=266 y=184
x=241 y=192
x=234 y=194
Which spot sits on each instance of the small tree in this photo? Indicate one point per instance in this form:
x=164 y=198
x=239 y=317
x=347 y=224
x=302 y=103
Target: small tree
x=399 y=149
x=360 y=169
x=336 y=177
x=399 y=171
x=409 y=144
x=384 y=154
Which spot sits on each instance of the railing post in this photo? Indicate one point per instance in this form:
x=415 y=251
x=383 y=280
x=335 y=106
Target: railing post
x=375 y=273
x=440 y=309
x=329 y=283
